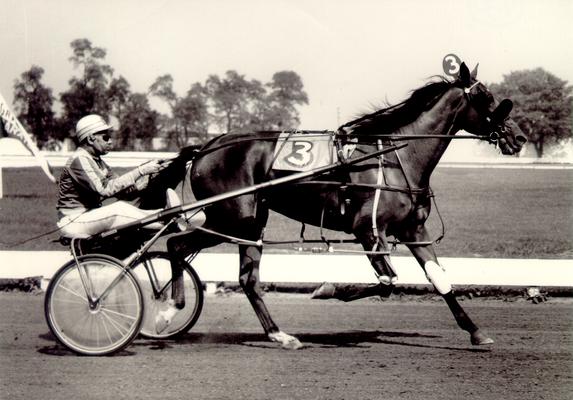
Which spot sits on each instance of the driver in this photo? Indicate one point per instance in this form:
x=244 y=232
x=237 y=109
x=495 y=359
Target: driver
x=87 y=180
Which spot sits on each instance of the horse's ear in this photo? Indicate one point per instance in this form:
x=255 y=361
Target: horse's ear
x=465 y=77
x=475 y=71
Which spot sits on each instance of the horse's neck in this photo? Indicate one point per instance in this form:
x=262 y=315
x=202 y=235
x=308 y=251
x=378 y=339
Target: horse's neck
x=421 y=156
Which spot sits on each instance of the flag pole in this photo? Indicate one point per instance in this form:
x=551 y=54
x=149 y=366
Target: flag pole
x=14 y=128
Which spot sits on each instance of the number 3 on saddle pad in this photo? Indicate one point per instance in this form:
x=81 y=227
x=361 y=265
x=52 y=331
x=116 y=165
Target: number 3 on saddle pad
x=303 y=152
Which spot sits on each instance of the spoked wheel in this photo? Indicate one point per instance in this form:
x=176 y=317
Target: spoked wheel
x=153 y=272
x=101 y=322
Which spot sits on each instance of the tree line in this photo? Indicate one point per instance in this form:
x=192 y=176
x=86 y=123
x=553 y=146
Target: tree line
x=232 y=103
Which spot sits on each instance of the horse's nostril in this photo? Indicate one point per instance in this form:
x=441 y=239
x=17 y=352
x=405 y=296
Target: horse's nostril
x=521 y=139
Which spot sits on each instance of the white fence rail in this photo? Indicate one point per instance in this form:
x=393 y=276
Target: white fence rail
x=317 y=268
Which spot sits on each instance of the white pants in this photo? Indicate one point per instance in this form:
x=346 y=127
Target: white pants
x=104 y=218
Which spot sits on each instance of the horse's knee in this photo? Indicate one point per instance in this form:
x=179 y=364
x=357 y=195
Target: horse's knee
x=249 y=271
x=244 y=282
x=248 y=282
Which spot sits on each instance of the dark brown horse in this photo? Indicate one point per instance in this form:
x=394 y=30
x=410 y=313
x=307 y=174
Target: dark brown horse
x=386 y=196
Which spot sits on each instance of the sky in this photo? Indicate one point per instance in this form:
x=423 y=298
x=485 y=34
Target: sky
x=352 y=55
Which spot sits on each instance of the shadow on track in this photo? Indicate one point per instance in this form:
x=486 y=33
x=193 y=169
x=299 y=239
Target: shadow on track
x=349 y=339
x=311 y=340
x=56 y=349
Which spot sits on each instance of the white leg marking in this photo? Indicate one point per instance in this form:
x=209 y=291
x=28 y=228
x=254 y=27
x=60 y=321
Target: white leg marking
x=436 y=274
x=286 y=341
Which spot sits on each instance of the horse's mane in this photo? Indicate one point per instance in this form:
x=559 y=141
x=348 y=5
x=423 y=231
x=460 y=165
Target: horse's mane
x=390 y=119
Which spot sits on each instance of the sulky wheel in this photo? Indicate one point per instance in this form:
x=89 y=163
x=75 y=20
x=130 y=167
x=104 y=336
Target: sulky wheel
x=103 y=325
x=153 y=272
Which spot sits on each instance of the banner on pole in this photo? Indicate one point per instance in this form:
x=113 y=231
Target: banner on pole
x=11 y=127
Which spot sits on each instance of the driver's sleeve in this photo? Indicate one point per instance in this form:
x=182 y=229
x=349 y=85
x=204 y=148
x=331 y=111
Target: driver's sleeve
x=89 y=175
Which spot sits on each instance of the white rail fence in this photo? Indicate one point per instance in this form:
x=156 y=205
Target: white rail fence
x=317 y=268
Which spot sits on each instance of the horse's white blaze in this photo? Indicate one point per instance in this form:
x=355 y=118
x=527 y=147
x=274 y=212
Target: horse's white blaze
x=436 y=274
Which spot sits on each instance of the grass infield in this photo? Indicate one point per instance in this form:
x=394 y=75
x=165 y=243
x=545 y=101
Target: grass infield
x=505 y=213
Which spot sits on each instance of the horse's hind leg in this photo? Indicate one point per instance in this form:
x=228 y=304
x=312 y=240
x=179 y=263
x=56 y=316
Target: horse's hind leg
x=426 y=257
x=250 y=258
x=179 y=247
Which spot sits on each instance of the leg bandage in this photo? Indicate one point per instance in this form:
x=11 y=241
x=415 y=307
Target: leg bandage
x=437 y=276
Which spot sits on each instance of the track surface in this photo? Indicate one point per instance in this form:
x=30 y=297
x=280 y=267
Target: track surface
x=370 y=349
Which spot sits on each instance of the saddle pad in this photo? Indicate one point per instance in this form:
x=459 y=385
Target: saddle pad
x=303 y=152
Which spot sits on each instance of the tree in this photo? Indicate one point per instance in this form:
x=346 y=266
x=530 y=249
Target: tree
x=192 y=115
x=240 y=105
x=138 y=124
x=189 y=115
x=286 y=93
x=232 y=100
x=88 y=91
x=33 y=105
x=118 y=95
x=163 y=89
x=542 y=105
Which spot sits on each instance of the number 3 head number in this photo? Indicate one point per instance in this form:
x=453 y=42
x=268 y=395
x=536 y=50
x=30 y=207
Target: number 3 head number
x=451 y=64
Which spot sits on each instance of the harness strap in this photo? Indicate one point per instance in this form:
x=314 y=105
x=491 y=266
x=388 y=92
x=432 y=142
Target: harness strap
x=377 y=198
x=408 y=184
x=469 y=89
x=276 y=155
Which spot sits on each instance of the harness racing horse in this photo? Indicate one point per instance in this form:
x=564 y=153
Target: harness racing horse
x=386 y=196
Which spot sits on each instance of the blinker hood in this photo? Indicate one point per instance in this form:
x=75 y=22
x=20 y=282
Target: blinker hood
x=502 y=111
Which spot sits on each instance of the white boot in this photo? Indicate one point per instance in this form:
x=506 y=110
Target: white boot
x=163 y=318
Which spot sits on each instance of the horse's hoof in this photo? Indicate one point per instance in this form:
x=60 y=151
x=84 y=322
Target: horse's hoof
x=479 y=339
x=388 y=280
x=287 y=341
x=163 y=318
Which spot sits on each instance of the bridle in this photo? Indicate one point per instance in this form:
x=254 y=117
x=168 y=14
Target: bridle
x=494 y=120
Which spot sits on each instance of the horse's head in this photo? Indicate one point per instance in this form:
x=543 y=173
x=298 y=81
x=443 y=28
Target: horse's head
x=485 y=117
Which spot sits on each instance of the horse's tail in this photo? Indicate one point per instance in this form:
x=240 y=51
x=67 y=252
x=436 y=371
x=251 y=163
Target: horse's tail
x=153 y=196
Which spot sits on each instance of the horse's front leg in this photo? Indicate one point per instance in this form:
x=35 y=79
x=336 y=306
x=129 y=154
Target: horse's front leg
x=250 y=258
x=374 y=241
x=436 y=274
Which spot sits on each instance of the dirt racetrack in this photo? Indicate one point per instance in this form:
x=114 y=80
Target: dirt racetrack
x=369 y=349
